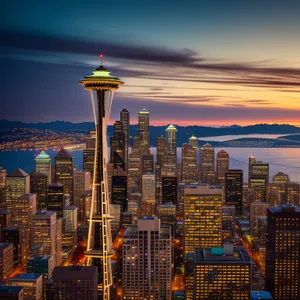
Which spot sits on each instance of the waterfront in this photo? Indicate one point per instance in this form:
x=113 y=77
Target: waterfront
x=280 y=159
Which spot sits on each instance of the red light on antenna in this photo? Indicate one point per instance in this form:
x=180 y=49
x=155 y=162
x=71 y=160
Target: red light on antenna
x=101 y=55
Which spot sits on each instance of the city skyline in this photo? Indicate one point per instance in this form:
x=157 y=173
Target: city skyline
x=204 y=64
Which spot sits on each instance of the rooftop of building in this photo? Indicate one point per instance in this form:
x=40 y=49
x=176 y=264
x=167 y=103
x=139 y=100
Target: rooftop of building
x=26 y=276
x=261 y=295
x=221 y=255
x=72 y=207
x=12 y=228
x=40 y=258
x=124 y=109
x=144 y=111
x=43 y=155
x=45 y=213
x=7 y=289
x=285 y=208
x=171 y=127
x=201 y=189
x=18 y=173
x=74 y=273
x=55 y=184
x=207 y=145
x=5 y=245
x=193 y=137
x=34 y=173
x=63 y=153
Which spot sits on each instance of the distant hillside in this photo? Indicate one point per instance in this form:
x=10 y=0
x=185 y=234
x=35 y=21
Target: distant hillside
x=183 y=133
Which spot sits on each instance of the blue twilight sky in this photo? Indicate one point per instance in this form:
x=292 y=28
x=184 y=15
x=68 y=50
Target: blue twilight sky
x=188 y=62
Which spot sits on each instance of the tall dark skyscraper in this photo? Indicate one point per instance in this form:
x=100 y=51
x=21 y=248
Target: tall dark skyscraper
x=119 y=191
x=144 y=119
x=234 y=189
x=99 y=250
x=169 y=190
x=188 y=164
x=283 y=252
x=55 y=198
x=64 y=170
x=222 y=166
x=207 y=162
x=125 y=120
x=147 y=164
x=89 y=153
x=117 y=146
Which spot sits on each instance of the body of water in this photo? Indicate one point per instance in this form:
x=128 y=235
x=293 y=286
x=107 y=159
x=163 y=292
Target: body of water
x=224 y=138
x=280 y=159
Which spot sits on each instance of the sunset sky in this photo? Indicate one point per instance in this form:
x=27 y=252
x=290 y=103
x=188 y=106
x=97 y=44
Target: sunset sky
x=187 y=62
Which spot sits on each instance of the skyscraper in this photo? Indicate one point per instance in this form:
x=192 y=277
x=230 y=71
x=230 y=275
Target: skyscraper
x=125 y=120
x=160 y=148
x=47 y=231
x=99 y=239
x=283 y=252
x=143 y=120
x=258 y=178
x=119 y=192
x=257 y=209
x=222 y=166
x=234 y=190
x=222 y=273
x=188 y=164
x=148 y=195
x=193 y=141
x=169 y=189
x=56 y=198
x=82 y=182
x=4 y=222
x=17 y=185
x=38 y=186
x=147 y=260
x=6 y=260
x=147 y=164
x=89 y=153
x=171 y=140
x=43 y=165
x=202 y=217
x=117 y=146
x=207 y=162
x=64 y=170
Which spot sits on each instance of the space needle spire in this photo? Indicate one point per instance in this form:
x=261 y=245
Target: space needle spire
x=99 y=251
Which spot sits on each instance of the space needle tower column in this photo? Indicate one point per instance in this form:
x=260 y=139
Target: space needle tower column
x=99 y=252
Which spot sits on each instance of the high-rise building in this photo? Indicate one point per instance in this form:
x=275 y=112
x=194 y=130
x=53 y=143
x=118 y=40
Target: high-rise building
x=43 y=165
x=17 y=237
x=207 y=162
x=4 y=222
x=148 y=195
x=11 y=292
x=169 y=189
x=147 y=260
x=56 y=198
x=75 y=282
x=2 y=187
x=69 y=227
x=258 y=178
x=281 y=178
x=292 y=193
x=188 y=164
x=234 y=190
x=228 y=217
x=38 y=186
x=134 y=167
x=47 y=231
x=171 y=140
x=222 y=166
x=125 y=120
x=202 y=217
x=82 y=182
x=283 y=252
x=143 y=121
x=89 y=154
x=257 y=209
x=117 y=146
x=64 y=170
x=99 y=250
x=193 y=141
x=23 y=213
x=115 y=210
x=147 y=164
x=222 y=273
x=17 y=184
x=41 y=265
x=31 y=283
x=119 y=192
x=6 y=260
x=160 y=148
x=167 y=214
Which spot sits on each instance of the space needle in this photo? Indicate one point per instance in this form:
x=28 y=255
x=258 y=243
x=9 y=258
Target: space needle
x=99 y=251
